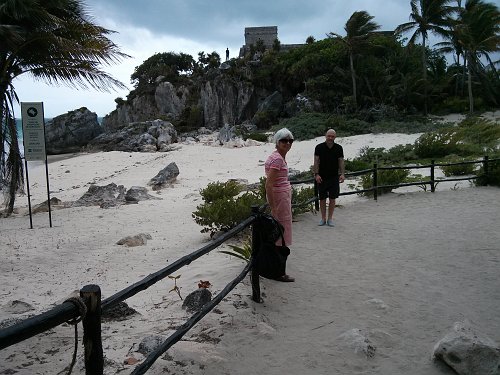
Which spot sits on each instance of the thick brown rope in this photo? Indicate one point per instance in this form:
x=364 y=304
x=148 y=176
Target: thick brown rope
x=82 y=308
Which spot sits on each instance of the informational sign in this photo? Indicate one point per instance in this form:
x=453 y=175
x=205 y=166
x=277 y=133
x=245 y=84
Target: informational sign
x=33 y=131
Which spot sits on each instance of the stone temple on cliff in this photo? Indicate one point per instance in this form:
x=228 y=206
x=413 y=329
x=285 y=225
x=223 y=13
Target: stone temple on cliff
x=268 y=34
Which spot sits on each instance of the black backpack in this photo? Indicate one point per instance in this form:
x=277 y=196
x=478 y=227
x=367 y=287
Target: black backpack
x=270 y=259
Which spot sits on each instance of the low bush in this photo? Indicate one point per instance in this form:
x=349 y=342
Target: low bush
x=457 y=169
x=299 y=198
x=306 y=125
x=442 y=143
x=224 y=207
x=356 y=165
x=493 y=177
x=259 y=137
x=384 y=177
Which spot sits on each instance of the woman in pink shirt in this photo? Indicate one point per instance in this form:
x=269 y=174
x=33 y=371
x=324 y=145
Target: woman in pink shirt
x=278 y=188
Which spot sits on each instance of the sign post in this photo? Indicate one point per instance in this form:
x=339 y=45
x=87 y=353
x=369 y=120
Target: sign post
x=34 y=144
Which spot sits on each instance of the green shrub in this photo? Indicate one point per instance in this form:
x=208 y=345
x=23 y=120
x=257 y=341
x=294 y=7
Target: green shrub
x=443 y=142
x=384 y=177
x=307 y=125
x=220 y=190
x=458 y=169
x=493 y=177
x=473 y=136
x=225 y=213
x=356 y=165
x=299 y=197
x=259 y=137
x=243 y=252
x=395 y=155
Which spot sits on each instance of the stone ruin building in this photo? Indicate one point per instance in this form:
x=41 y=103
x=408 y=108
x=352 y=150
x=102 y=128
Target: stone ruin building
x=268 y=34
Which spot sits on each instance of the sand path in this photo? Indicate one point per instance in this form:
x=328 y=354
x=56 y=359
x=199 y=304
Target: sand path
x=401 y=270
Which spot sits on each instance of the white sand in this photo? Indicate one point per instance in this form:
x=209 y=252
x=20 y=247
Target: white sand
x=402 y=269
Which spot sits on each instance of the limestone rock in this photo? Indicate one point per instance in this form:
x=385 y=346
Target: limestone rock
x=359 y=342
x=166 y=176
x=104 y=196
x=137 y=194
x=137 y=240
x=196 y=300
x=119 y=312
x=70 y=132
x=149 y=344
x=468 y=352
x=147 y=136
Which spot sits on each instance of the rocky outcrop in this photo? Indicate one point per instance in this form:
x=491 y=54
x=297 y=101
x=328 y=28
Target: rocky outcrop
x=222 y=100
x=147 y=136
x=70 y=132
x=269 y=110
x=226 y=101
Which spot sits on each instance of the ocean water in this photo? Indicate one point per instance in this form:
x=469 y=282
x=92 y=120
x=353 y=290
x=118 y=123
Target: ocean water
x=19 y=126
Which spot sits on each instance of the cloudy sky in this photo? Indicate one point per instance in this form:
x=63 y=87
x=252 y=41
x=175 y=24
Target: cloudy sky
x=144 y=28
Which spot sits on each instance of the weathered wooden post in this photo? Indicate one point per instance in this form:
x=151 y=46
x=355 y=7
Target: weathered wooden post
x=255 y=277
x=92 y=342
x=375 y=181
x=433 y=185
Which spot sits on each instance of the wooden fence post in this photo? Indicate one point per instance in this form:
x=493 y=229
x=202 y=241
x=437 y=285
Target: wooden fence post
x=94 y=358
x=375 y=181
x=255 y=277
x=433 y=185
x=486 y=169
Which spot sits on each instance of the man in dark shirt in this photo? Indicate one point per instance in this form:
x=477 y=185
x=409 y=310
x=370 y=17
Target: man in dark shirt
x=329 y=173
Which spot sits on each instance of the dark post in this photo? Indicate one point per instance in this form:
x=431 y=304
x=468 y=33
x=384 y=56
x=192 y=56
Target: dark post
x=375 y=182
x=316 y=195
x=94 y=358
x=486 y=170
x=433 y=185
x=255 y=277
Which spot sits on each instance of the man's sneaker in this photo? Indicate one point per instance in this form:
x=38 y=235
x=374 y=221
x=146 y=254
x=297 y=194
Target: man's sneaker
x=330 y=223
x=322 y=222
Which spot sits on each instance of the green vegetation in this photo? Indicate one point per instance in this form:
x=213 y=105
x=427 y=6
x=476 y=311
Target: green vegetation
x=224 y=206
x=243 y=252
x=459 y=169
x=384 y=177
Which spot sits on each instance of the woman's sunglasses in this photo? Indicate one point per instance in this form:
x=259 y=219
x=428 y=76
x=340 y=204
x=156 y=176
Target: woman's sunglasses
x=286 y=141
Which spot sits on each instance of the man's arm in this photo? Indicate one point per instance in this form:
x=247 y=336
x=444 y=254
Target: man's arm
x=317 y=177
x=341 y=170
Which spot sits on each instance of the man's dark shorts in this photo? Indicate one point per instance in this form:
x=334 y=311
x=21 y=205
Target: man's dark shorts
x=329 y=188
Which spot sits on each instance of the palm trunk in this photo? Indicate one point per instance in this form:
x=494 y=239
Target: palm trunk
x=353 y=77
x=14 y=166
x=424 y=66
x=469 y=83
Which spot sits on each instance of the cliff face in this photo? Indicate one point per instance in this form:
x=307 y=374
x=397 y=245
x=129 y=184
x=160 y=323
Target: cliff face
x=221 y=100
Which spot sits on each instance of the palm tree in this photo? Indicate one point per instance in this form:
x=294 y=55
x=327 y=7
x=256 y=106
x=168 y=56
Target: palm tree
x=55 y=41
x=358 y=28
x=427 y=16
x=478 y=33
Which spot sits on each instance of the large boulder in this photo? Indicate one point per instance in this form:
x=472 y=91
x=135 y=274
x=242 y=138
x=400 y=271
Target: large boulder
x=70 y=132
x=468 y=352
x=164 y=177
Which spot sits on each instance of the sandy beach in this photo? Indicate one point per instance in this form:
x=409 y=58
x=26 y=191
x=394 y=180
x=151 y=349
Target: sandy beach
x=398 y=271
